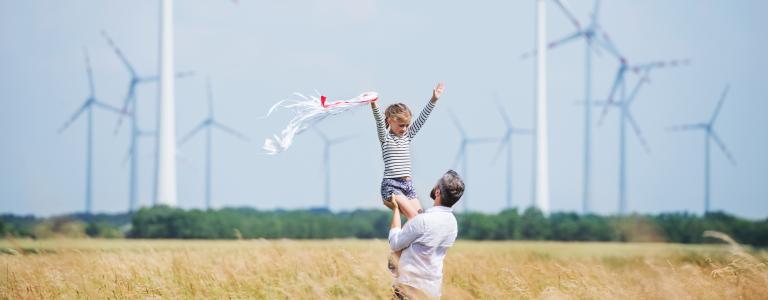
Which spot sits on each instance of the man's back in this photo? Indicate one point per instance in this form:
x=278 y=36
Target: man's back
x=425 y=240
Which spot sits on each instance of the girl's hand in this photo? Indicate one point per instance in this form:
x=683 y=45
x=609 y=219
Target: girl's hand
x=437 y=92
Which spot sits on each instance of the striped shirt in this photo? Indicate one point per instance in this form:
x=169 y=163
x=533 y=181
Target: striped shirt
x=396 y=150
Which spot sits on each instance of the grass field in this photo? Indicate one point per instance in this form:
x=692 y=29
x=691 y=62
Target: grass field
x=356 y=269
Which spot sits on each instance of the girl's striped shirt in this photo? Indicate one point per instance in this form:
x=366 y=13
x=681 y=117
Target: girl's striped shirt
x=397 y=150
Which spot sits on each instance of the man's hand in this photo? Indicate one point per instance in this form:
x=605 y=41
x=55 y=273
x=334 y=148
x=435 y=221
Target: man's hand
x=391 y=204
x=437 y=92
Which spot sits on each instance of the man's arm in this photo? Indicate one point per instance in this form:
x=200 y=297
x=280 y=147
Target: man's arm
x=400 y=239
x=380 y=127
x=416 y=126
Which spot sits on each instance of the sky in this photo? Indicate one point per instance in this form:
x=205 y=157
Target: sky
x=259 y=52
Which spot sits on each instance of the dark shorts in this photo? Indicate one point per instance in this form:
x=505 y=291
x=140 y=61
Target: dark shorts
x=397 y=186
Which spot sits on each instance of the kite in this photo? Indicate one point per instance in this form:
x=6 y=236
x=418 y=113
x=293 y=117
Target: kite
x=308 y=112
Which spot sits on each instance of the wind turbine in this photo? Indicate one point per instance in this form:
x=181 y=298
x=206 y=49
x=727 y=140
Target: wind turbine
x=593 y=35
x=327 y=144
x=209 y=124
x=709 y=135
x=129 y=109
x=541 y=146
x=540 y=178
x=625 y=116
x=625 y=67
x=461 y=155
x=87 y=106
x=165 y=163
x=506 y=142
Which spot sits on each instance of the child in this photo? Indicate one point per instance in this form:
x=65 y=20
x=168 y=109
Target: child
x=396 y=147
x=397 y=185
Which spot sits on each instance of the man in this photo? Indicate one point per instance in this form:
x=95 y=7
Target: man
x=424 y=240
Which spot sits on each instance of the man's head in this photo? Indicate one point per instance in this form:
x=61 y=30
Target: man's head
x=448 y=189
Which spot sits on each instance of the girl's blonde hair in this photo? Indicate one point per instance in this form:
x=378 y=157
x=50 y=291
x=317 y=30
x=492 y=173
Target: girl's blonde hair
x=399 y=111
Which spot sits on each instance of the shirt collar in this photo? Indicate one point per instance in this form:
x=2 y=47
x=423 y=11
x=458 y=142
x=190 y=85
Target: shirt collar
x=439 y=208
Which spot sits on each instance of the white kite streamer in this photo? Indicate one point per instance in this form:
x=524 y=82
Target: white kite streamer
x=309 y=111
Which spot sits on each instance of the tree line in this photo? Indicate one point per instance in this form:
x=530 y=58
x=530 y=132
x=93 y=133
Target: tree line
x=511 y=224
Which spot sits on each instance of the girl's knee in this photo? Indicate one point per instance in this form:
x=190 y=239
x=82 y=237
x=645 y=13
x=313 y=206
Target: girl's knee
x=407 y=206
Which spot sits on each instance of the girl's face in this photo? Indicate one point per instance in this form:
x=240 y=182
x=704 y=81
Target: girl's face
x=397 y=126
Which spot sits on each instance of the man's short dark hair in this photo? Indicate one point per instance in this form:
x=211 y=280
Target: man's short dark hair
x=451 y=188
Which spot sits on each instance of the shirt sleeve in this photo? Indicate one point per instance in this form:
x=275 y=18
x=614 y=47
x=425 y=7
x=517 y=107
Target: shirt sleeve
x=380 y=127
x=400 y=239
x=416 y=126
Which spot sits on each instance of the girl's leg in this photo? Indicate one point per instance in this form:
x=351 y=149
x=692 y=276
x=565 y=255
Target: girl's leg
x=417 y=205
x=408 y=207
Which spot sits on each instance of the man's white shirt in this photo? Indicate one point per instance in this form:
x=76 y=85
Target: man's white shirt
x=426 y=239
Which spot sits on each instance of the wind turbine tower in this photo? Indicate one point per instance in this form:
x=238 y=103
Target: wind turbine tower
x=87 y=107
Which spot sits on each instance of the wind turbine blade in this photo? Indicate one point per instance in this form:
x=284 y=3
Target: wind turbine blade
x=127 y=157
x=617 y=82
x=108 y=107
x=502 y=143
x=719 y=104
x=127 y=102
x=564 y=40
x=130 y=97
x=119 y=53
x=89 y=72
x=635 y=90
x=74 y=116
x=595 y=11
x=554 y=44
x=722 y=146
x=179 y=75
x=684 y=127
x=660 y=64
x=504 y=116
x=210 y=96
x=604 y=41
x=231 y=131
x=197 y=129
x=567 y=11
x=649 y=66
x=457 y=124
x=638 y=132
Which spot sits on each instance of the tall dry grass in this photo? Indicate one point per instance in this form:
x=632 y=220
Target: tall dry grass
x=354 y=269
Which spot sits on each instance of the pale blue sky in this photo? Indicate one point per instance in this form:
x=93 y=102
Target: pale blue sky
x=259 y=52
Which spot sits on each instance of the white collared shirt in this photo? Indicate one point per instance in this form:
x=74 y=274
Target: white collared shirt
x=426 y=239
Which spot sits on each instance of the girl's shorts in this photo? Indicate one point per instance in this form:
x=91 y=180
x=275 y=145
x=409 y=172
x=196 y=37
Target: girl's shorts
x=397 y=186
